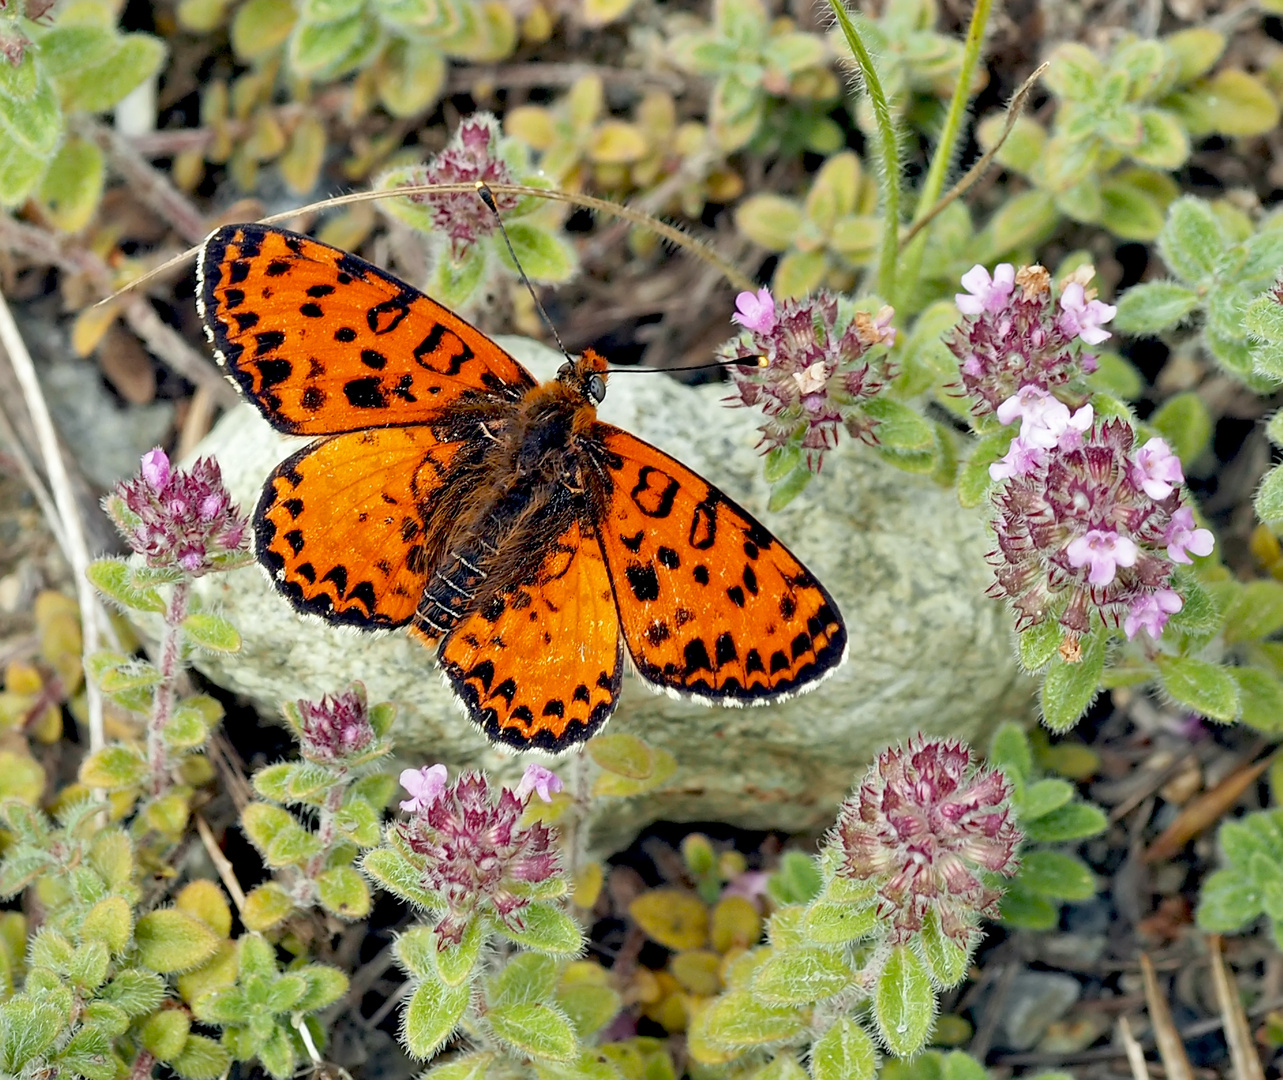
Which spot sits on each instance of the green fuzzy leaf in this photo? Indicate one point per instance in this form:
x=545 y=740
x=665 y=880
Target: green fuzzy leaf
x=1269 y=496
x=1116 y=376
x=1154 y=306
x=769 y=220
x=135 y=992
x=416 y=952
x=111 y=922
x=431 y=1017
x=278 y=836
x=1183 y=420
x=737 y=1019
x=186 y=729
x=1164 y=143
x=542 y=253
x=802 y=975
x=1202 y=686
x=322 y=49
x=391 y=871
x=88 y=967
x=590 y=1007
x=475 y=1066
x=410 y=77
x=1072 y=822
x=844 y=1052
x=109 y=1019
x=93 y=68
x=1192 y=241
x=973 y=477
x=1069 y=688
x=266 y=906
x=260 y=27
x=1042 y=797
x=903 y=1002
x=114 y=768
x=1074 y=72
x=276 y=1054
x=1056 y=875
x=946 y=959
x=164 y=1033
x=20 y=169
x=211 y=632
x=72 y=187
x=535 y=1029
x=788 y=489
x=454 y=964
x=780 y=461
x=1010 y=751
x=201 y=1059
x=1024 y=220
x=1257 y=611
x=1263 y=320
x=830 y=922
x=88 y=1054
x=456 y=282
x=899 y=427
x=1226 y=903
x=170 y=940
x=622 y=754
x=1037 y=645
x=28 y=1029
x=796 y=880
x=323 y=986
x=130 y=675
x=1260 y=698
x=546 y=929
x=527 y=977
x=343 y=892
x=1129 y=212
x=799 y=273
x=1023 y=909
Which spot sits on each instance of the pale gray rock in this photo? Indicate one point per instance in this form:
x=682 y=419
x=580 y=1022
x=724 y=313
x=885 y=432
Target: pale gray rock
x=928 y=651
x=1035 y=1001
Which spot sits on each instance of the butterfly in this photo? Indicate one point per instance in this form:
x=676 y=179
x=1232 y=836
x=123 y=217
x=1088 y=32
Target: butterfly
x=495 y=517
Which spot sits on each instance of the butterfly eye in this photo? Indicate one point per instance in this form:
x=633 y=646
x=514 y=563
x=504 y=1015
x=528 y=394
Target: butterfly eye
x=597 y=388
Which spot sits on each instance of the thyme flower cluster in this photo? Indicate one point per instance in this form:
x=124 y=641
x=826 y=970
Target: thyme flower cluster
x=178 y=519
x=1014 y=333
x=472 y=154
x=925 y=825
x=820 y=368
x=472 y=848
x=335 y=728
x=1086 y=520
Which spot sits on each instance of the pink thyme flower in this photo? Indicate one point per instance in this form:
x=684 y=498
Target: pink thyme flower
x=538 y=780
x=1019 y=460
x=985 y=293
x=926 y=825
x=1045 y=420
x=821 y=369
x=1078 y=533
x=1012 y=336
x=336 y=727
x=1157 y=469
x=475 y=855
x=425 y=786
x=755 y=311
x=1151 y=612
x=179 y=520
x=1104 y=552
x=1080 y=318
x=1181 y=537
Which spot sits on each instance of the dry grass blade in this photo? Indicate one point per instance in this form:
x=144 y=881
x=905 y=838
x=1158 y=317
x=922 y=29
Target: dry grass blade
x=220 y=861
x=1170 y=1047
x=1135 y=1055
x=69 y=525
x=1243 y=1056
x=1204 y=812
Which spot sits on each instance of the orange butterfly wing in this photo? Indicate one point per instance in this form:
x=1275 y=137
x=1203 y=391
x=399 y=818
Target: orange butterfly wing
x=340 y=524
x=712 y=605
x=539 y=664
x=324 y=342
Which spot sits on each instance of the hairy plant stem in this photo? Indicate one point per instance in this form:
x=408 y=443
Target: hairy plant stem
x=142 y=1066
x=888 y=154
x=327 y=829
x=942 y=160
x=171 y=644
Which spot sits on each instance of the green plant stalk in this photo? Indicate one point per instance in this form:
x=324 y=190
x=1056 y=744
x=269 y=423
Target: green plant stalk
x=889 y=162
x=943 y=157
x=162 y=710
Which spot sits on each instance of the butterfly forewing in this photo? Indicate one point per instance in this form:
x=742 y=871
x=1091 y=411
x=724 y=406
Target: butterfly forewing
x=711 y=603
x=340 y=524
x=324 y=342
x=539 y=664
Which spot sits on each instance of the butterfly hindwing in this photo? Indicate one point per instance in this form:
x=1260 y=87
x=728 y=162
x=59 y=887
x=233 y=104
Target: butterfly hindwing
x=324 y=342
x=340 y=529
x=539 y=664
x=711 y=603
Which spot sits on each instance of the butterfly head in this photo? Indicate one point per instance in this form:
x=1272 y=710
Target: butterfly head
x=586 y=376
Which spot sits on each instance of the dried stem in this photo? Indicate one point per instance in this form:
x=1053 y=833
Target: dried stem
x=76 y=549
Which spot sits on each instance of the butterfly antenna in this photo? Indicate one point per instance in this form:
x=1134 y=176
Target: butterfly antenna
x=487 y=197
x=735 y=361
